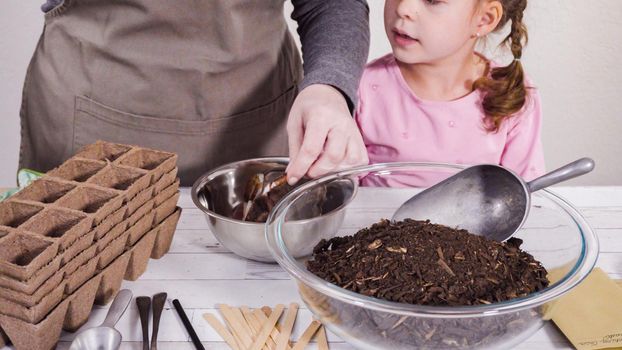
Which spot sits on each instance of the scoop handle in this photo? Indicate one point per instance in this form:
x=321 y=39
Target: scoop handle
x=577 y=168
x=120 y=303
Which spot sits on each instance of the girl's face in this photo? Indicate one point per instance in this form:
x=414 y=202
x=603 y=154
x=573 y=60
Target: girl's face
x=427 y=31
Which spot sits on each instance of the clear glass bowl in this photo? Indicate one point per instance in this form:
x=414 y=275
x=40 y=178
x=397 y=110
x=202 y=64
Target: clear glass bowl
x=554 y=233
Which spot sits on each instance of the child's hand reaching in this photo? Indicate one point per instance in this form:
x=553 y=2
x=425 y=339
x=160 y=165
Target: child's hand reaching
x=323 y=136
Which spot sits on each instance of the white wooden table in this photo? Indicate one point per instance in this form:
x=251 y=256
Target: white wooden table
x=201 y=273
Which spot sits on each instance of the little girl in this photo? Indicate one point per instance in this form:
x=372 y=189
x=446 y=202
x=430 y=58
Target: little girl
x=435 y=99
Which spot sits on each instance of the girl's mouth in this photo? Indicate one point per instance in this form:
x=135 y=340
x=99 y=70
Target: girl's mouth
x=403 y=39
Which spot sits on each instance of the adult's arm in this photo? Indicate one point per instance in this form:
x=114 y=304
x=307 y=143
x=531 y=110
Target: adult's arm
x=335 y=43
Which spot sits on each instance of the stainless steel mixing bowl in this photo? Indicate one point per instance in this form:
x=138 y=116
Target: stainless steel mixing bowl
x=219 y=191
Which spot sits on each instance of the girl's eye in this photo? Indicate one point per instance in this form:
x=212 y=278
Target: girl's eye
x=432 y=2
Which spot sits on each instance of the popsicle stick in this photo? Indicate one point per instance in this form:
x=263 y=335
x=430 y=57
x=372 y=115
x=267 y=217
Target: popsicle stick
x=267 y=311
x=320 y=337
x=307 y=335
x=238 y=330
x=237 y=313
x=250 y=320
x=247 y=336
x=261 y=317
x=256 y=327
x=264 y=314
x=283 y=340
x=221 y=330
x=267 y=328
x=232 y=328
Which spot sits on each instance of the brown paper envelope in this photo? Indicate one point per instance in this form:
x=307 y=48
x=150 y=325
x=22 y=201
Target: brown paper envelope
x=590 y=316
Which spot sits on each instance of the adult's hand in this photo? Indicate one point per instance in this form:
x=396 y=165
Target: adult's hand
x=323 y=136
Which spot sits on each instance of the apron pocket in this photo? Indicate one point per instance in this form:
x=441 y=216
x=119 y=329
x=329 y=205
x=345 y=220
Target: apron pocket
x=201 y=145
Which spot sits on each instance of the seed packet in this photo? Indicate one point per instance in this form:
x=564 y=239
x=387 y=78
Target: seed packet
x=590 y=316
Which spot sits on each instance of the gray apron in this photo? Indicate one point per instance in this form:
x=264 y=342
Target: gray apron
x=210 y=80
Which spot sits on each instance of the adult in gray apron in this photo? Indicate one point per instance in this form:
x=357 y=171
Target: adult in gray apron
x=210 y=80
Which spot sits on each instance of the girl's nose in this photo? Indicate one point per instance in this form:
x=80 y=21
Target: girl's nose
x=407 y=9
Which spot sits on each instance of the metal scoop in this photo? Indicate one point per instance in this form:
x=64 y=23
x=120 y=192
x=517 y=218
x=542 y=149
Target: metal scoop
x=104 y=337
x=487 y=200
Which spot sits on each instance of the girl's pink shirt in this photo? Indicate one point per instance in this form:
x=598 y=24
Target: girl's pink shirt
x=398 y=126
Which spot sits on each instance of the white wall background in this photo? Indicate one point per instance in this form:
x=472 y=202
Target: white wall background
x=574 y=56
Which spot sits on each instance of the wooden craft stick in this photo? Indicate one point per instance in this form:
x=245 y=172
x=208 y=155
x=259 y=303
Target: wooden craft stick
x=238 y=330
x=320 y=337
x=226 y=316
x=256 y=327
x=250 y=320
x=221 y=330
x=237 y=313
x=267 y=328
x=262 y=318
x=307 y=335
x=267 y=311
x=283 y=340
x=234 y=334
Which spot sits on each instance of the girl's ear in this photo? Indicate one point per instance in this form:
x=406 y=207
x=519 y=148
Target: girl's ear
x=489 y=15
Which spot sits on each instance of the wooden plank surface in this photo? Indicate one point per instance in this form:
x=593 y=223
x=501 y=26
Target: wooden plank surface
x=202 y=274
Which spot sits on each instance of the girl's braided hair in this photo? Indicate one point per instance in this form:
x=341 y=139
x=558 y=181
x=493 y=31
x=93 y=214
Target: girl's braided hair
x=504 y=87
